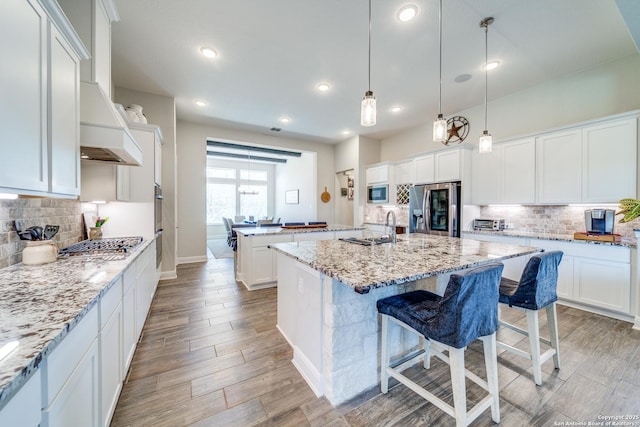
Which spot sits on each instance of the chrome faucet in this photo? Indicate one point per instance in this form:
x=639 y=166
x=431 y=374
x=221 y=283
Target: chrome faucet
x=393 y=236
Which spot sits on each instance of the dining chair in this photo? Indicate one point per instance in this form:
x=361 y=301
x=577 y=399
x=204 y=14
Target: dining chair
x=467 y=311
x=227 y=226
x=238 y=219
x=234 y=235
x=263 y=221
x=535 y=290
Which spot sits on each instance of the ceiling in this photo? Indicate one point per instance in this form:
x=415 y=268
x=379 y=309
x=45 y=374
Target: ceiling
x=272 y=54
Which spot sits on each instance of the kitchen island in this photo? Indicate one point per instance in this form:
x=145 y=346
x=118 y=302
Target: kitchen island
x=327 y=294
x=256 y=263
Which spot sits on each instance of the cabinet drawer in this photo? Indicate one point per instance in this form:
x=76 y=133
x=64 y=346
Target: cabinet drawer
x=64 y=358
x=110 y=301
x=262 y=241
x=585 y=250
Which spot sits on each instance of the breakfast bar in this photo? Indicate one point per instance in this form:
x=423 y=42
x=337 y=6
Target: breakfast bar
x=327 y=293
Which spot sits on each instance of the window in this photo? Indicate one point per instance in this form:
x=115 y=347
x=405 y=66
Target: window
x=237 y=190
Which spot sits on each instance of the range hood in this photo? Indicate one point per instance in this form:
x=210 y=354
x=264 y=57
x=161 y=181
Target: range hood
x=104 y=135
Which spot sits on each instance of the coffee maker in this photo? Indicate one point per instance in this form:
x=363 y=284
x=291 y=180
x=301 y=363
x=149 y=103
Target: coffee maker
x=599 y=221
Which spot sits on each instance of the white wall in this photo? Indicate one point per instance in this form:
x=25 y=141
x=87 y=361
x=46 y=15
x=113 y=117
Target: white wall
x=609 y=89
x=160 y=110
x=297 y=174
x=191 y=164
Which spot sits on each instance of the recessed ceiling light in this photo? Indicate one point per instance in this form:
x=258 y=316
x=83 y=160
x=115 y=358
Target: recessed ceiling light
x=396 y=109
x=491 y=65
x=208 y=52
x=284 y=119
x=323 y=87
x=346 y=132
x=200 y=102
x=408 y=12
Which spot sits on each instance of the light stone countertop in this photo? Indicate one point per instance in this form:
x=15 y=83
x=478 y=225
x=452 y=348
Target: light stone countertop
x=414 y=257
x=625 y=241
x=40 y=305
x=261 y=231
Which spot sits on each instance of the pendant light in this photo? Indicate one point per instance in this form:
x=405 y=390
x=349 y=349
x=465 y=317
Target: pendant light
x=440 y=124
x=368 y=106
x=248 y=190
x=486 y=141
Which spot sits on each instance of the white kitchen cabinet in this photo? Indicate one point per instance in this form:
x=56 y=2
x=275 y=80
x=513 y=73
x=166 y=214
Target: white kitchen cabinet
x=143 y=178
x=72 y=387
x=609 y=153
x=145 y=285
x=379 y=173
x=518 y=171
x=559 y=167
x=486 y=176
x=448 y=165
x=39 y=101
x=24 y=408
x=104 y=182
x=602 y=283
x=129 y=330
x=404 y=172
x=111 y=354
x=425 y=169
x=513 y=267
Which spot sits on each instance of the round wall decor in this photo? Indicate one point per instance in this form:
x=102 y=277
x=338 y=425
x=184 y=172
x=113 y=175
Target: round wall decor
x=457 y=129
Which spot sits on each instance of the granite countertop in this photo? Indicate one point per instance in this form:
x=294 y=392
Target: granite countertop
x=40 y=305
x=625 y=241
x=414 y=257
x=261 y=231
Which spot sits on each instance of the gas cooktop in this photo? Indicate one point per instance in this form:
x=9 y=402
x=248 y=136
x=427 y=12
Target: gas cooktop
x=102 y=246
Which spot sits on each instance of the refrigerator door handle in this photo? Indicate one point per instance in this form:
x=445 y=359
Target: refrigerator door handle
x=427 y=211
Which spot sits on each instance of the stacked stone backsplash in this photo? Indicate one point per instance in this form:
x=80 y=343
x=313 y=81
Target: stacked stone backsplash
x=38 y=211
x=553 y=219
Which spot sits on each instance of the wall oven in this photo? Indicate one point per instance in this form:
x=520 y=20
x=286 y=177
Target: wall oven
x=157 y=216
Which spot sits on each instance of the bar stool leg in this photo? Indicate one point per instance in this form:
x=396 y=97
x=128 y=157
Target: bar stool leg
x=456 y=365
x=384 y=355
x=553 y=333
x=491 y=364
x=534 y=344
x=426 y=346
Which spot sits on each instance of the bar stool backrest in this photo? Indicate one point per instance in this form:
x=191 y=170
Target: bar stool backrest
x=538 y=283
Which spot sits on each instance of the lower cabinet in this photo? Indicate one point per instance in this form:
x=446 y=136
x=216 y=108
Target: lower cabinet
x=595 y=277
x=79 y=382
x=25 y=408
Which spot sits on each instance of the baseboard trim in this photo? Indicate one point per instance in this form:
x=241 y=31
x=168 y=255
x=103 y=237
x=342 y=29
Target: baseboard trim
x=168 y=275
x=192 y=259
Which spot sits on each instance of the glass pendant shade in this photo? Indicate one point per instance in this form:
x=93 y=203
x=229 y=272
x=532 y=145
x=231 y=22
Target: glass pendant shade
x=485 y=143
x=440 y=129
x=368 y=109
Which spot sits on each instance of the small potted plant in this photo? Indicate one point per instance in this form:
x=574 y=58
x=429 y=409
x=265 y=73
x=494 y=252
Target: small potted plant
x=95 y=233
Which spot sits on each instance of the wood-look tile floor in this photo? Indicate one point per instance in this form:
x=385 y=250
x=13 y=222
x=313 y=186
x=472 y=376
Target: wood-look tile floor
x=210 y=355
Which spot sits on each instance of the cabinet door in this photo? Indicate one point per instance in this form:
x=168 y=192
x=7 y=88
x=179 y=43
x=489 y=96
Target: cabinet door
x=609 y=161
x=404 y=173
x=23 y=104
x=425 y=169
x=64 y=123
x=24 y=408
x=142 y=178
x=603 y=284
x=104 y=181
x=559 y=167
x=111 y=364
x=447 y=166
x=518 y=171
x=77 y=403
x=263 y=265
x=158 y=161
x=565 y=277
x=486 y=177
x=129 y=331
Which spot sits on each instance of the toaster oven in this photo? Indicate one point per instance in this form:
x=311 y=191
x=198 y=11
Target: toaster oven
x=488 y=224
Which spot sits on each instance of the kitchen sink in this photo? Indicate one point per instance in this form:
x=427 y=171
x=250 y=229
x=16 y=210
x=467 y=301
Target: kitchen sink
x=368 y=241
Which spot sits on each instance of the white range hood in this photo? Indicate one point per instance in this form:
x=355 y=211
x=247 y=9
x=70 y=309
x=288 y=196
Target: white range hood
x=104 y=135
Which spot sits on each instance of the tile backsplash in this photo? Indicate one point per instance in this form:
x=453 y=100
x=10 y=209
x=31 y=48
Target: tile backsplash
x=38 y=211
x=552 y=219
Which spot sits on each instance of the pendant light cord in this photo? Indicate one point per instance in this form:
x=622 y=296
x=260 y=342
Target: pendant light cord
x=369 y=45
x=485 y=23
x=440 y=37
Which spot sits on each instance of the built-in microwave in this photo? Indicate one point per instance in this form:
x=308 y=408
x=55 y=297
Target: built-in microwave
x=378 y=193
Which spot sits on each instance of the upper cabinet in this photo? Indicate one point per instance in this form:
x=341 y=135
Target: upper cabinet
x=379 y=173
x=143 y=178
x=559 y=167
x=441 y=166
x=40 y=100
x=404 y=172
x=425 y=169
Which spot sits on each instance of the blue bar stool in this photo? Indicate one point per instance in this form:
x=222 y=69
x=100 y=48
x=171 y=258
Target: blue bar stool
x=535 y=290
x=468 y=310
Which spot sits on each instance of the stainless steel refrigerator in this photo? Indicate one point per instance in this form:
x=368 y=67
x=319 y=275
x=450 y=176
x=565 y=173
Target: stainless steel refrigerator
x=435 y=209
